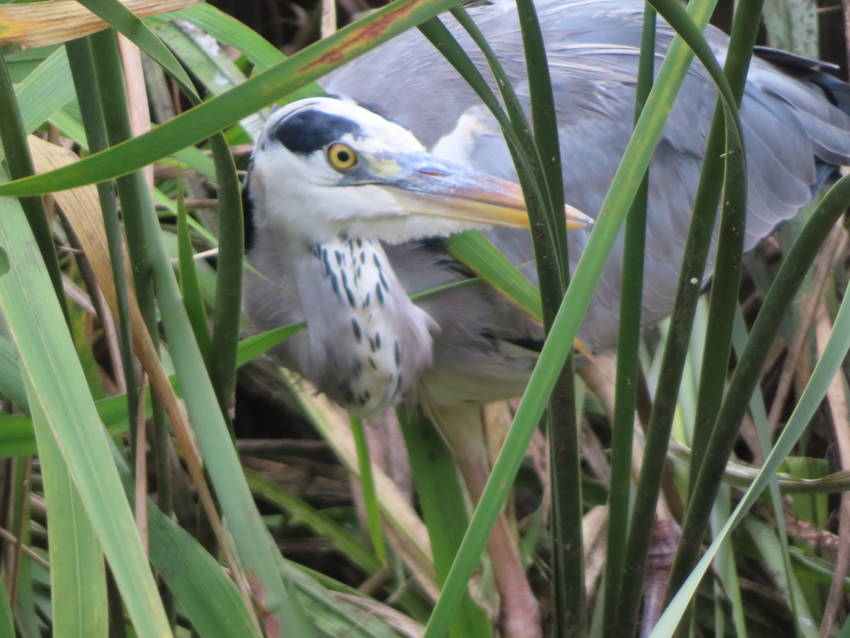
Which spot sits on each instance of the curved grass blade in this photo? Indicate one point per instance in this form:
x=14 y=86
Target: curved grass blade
x=478 y=253
x=212 y=68
x=228 y=30
x=834 y=353
x=216 y=114
x=748 y=371
x=252 y=347
x=575 y=303
x=344 y=540
x=724 y=169
x=120 y=18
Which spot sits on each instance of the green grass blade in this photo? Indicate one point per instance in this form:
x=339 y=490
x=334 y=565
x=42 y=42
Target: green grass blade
x=11 y=382
x=440 y=495
x=23 y=62
x=728 y=585
x=230 y=31
x=367 y=485
x=769 y=548
x=478 y=253
x=124 y=21
x=252 y=347
x=549 y=238
x=724 y=157
x=342 y=539
x=7 y=622
x=19 y=164
x=552 y=259
x=202 y=590
x=333 y=615
x=228 y=286
x=252 y=541
x=748 y=371
x=133 y=193
x=724 y=289
x=189 y=286
x=77 y=574
x=565 y=327
x=759 y=417
x=82 y=67
x=46 y=90
x=836 y=349
x=48 y=356
x=218 y=113
x=628 y=365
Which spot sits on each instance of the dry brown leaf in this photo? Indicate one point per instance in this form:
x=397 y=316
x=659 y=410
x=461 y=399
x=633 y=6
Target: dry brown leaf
x=594 y=527
x=37 y=24
x=402 y=623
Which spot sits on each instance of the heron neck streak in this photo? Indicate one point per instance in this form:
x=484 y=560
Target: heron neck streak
x=387 y=340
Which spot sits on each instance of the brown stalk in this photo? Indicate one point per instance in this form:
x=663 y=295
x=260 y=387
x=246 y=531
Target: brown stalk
x=808 y=310
x=141 y=470
x=838 y=406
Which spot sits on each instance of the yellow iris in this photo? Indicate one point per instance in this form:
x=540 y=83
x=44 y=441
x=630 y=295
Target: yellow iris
x=341 y=156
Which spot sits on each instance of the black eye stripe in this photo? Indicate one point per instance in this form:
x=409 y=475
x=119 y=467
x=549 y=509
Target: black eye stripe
x=310 y=130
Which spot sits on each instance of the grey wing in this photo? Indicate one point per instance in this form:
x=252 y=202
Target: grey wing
x=486 y=346
x=593 y=47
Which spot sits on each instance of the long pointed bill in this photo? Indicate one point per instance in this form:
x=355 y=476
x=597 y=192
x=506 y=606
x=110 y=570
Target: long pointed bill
x=426 y=185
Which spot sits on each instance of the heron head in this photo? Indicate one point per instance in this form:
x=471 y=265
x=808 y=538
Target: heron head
x=326 y=166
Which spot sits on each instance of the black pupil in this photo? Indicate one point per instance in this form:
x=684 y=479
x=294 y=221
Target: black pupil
x=343 y=156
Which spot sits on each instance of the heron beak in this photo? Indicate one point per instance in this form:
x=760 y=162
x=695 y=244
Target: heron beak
x=426 y=185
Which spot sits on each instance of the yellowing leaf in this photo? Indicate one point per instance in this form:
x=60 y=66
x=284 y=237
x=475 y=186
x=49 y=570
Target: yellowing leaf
x=43 y=23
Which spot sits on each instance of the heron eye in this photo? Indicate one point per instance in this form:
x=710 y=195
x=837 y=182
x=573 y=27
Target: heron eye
x=341 y=156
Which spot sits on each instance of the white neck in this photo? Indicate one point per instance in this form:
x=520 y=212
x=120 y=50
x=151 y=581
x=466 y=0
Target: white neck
x=368 y=341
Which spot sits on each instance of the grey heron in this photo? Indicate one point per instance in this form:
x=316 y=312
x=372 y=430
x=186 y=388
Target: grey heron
x=348 y=210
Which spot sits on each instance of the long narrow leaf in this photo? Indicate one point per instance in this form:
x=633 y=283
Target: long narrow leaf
x=77 y=574
x=836 y=349
x=565 y=327
x=213 y=115
x=47 y=354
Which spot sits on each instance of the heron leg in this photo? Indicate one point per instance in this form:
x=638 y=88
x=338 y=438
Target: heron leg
x=463 y=429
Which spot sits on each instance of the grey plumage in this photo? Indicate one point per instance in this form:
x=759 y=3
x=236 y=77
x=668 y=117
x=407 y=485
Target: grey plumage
x=478 y=347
